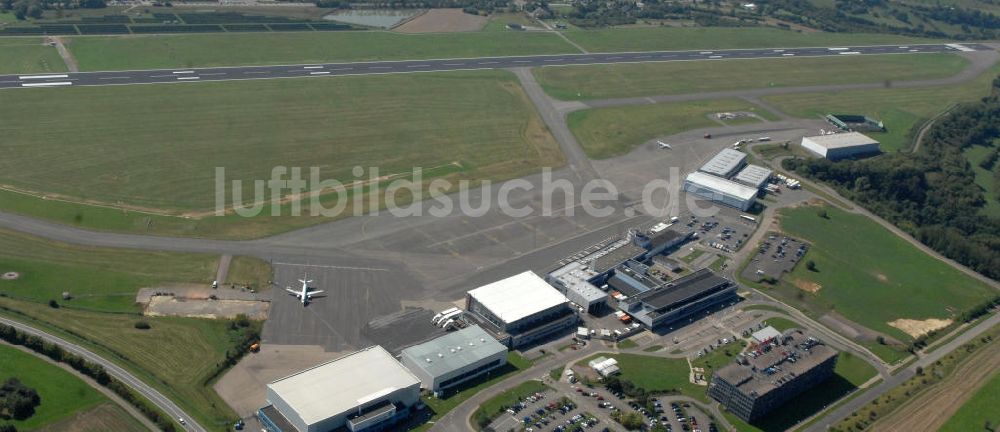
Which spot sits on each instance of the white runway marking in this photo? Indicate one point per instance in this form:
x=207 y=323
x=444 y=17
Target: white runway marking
x=318 y=73
x=312 y=67
x=184 y=72
x=47 y=84
x=331 y=267
x=27 y=77
x=188 y=78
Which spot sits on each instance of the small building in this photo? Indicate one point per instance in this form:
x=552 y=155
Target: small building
x=721 y=190
x=682 y=298
x=841 y=145
x=521 y=309
x=725 y=163
x=573 y=280
x=770 y=374
x=367 y=390
x=754 y=176
x=604 y=366
x=450 y=360
x=766 y=335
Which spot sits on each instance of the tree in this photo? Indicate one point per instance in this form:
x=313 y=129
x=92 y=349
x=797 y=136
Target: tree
x=17 y=401
x=880 y=339
x=53 y=304
x=142 y=325
x=823 y=214
x=811 y=266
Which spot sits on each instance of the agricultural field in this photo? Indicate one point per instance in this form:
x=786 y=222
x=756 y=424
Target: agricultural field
x=107 y=417
x=644 y=79
x=388 y=122
x=178 y=356
x=28 y=55
x=99 y=279
x=62 y=394
x=608 y=132
x=870 y=276
x=681 y=38
x=976 y=411
x=232 y=49
x=899 y=108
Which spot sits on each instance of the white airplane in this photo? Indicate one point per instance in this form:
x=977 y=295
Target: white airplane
x=663 y=145
x=305 y=294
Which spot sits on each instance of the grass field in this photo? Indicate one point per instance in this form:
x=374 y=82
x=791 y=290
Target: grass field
x=61 y=393
x=984 y=177
x=229 y=49
x=976 y=411
x=107 y=417
x=883 y=280
x=655 y=374
x=608 y=132
x=678 y=38
x=99 y=279
x=395 y=123
x=782 y=324
x=900 y=109
x=176 y=355
x=644 y=79
x=719 y=357
x=28 y=55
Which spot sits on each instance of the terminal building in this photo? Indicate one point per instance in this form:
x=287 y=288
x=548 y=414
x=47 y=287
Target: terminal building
x=573 y=280
x=669 y=302
x=521 y=309
x=754 y=176
x=454 y=358
x=720 y=190
x=771 y=373
x=367 y=390
x=841 y=145
x=725 y=163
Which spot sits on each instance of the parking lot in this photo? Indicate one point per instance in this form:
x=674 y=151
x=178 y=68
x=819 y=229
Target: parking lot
x=726 y=231
x=776 y=254
x=670 y=412
x=546 y=411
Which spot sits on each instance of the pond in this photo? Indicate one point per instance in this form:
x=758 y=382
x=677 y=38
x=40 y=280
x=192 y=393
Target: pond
x=382 y=18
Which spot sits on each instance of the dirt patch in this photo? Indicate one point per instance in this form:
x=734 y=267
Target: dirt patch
x=932 y=408
x=853 y=330
x=881 y=277
x=210 y=309
x=10 y=276
x=442 y=20
x=807 y=286
x=917 y=328
x=201 y=301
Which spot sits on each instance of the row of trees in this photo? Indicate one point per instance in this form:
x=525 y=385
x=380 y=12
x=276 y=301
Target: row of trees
x=24 y=9
x=932 y=194
x=90 y=369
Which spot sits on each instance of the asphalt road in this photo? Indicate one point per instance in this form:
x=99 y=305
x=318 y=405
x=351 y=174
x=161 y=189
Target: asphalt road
x=115 y=371
x=388 y=67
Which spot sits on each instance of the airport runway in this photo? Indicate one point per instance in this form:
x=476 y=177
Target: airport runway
x=238 y=73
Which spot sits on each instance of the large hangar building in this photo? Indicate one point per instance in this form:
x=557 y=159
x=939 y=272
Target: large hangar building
x=367 y=390
x=725 y=163
x=720 y=190
x=455 y=358
x=521 y=309
x=841 y=145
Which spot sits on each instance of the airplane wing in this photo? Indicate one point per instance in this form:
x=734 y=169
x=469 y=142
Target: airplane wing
x=312 y=293
x=292 y=292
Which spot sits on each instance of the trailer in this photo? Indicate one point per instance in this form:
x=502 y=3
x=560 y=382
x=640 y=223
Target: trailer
x=449 y=313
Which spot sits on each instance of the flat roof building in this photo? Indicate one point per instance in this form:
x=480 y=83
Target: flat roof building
x=604 y=366
x=770 y=374
x=366 y=390
x=452 y=359
x=679 y=299
x=841 y=145
x=720 y=190
x=573 y=280
x=753 y=176
x=523 y=307
x=725 y=163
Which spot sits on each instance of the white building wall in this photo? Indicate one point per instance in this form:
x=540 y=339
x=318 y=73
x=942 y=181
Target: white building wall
x=812 y=146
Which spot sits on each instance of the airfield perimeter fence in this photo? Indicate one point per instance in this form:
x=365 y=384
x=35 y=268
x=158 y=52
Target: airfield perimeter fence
x=202 y=22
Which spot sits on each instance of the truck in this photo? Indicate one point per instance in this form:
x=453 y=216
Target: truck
x=437 y=318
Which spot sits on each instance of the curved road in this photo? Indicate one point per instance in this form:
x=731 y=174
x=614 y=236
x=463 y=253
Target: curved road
x=162 y=402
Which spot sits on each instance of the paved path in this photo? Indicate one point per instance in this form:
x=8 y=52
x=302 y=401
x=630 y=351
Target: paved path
x=239 y=73
x=154 y=396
